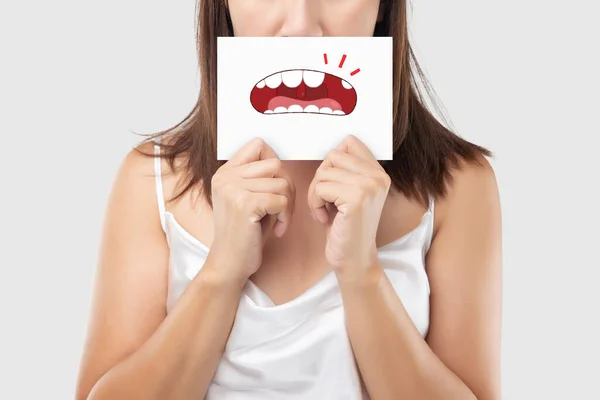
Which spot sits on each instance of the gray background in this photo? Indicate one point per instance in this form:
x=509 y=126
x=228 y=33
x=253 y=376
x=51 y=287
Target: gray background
x=519 y=77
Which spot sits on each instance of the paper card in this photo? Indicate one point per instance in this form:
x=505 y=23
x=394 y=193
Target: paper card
x=304 y=95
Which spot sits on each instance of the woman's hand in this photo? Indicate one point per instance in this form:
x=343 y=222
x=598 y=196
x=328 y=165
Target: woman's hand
x=348 y=193
x=252 y=195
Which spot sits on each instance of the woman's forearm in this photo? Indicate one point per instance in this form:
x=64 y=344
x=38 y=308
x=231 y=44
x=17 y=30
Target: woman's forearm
x=179 y=360
x=394 y=359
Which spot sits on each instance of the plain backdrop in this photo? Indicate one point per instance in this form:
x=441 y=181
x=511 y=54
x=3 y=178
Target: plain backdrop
x=518 y=76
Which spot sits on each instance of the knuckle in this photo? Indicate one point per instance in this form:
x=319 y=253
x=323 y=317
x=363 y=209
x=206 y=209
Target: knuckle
x=242 y=201
x=276 y=164
x=384 y=179
x=387 y=181
x=351 y=139
x=318 y=174
x=333 y=152
x=284 y=185
x=283 y=201
x=372 y=186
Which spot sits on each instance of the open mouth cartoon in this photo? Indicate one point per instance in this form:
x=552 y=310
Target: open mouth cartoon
x=303 y=91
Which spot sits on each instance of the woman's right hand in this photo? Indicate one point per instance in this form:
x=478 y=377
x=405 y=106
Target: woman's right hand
x=252 y=196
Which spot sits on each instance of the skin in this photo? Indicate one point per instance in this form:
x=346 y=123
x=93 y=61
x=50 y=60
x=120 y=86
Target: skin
x=315 y=220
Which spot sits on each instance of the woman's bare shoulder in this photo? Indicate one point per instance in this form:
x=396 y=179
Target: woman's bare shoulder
x=134 y=184
x=137 y=174
x=471 y=189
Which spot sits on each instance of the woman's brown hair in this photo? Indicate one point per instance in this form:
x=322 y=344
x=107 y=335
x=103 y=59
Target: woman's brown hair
x=425 y=151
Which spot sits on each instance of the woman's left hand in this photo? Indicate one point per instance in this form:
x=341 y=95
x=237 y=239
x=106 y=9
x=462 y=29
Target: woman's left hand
x=347 y=194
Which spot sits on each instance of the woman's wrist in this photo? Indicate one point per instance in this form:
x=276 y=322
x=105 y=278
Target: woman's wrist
x=218 y=276
x=360 y=277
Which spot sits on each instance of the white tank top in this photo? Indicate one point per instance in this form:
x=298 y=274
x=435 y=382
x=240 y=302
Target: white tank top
x=299 y=349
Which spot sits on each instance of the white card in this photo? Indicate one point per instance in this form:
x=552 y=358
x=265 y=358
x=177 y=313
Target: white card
x=304 y=95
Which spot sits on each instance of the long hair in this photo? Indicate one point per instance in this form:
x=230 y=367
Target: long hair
x=425 y=151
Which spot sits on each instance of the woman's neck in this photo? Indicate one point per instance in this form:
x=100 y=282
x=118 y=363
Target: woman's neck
x=301 y=172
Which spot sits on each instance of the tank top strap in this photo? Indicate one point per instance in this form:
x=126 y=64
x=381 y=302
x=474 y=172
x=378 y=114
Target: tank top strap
x=159 y=184
x=431 y=204
x=429 y=234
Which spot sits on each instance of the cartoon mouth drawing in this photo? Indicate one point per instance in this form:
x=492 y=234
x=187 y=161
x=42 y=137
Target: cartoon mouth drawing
x=303 y=91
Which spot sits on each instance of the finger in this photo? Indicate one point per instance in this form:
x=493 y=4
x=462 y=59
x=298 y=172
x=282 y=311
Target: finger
x=283 y=174
x=269 y=185
x=278 y=186
x=269 y=166
x=254 y=150
x=258 y=169
x=271 y=204
x=316 y=203
x=333 y=174
x=323 y=193
x=354 y=146
x=339 y=159
x=261 y=204
x=330 y=192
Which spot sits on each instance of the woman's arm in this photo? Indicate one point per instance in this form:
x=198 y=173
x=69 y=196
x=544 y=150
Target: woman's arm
x=461 y=357
x=133 y=349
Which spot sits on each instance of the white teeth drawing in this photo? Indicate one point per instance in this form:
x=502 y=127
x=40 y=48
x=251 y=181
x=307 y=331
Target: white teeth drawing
x=295 y=108
x=292 y=78
x=313 y=78
x=346 y=85
x=274 y=81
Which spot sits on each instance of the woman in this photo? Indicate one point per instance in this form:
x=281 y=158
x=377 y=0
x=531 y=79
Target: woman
x=266 y=279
